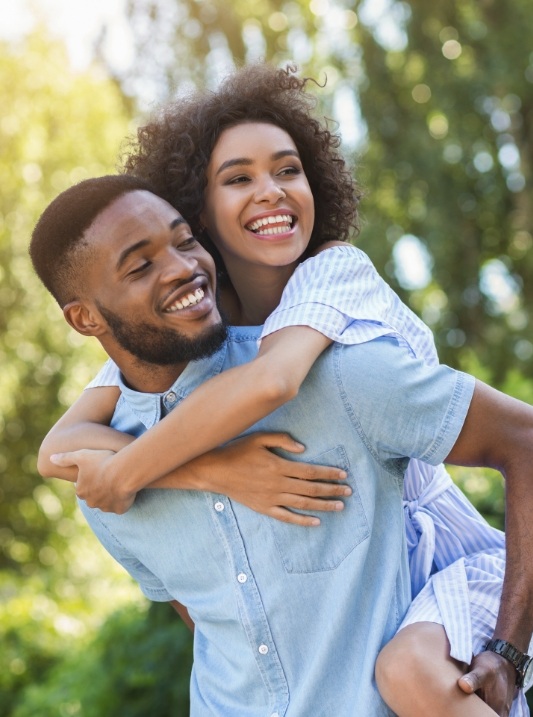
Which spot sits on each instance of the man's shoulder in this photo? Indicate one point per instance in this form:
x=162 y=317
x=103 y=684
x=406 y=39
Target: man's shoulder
x=382 y=365
x=383 y=354
x=243 y=334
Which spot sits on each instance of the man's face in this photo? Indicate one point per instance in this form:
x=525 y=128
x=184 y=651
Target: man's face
x=152 y=282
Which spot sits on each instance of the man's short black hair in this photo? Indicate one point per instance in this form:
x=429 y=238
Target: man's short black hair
x=58 y=246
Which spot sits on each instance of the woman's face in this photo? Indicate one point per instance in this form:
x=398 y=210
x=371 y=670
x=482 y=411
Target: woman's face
x=258 y=207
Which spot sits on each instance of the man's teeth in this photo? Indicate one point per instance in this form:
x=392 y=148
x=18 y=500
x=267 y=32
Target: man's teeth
x=185 y=301
x=263 y=226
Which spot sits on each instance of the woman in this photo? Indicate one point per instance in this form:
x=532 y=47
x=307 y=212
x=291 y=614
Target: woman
x=253 y=166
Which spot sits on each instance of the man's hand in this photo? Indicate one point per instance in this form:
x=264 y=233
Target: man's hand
x=493 y=678
x=92 y=484
x=246 y=470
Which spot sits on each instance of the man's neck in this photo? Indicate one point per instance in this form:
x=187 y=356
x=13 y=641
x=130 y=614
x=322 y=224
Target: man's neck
x=145 y=377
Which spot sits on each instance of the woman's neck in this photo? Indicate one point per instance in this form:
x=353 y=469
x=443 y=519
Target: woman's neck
x=256 y=293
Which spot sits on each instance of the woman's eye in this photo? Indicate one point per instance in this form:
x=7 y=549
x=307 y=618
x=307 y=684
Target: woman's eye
x=237 y=180
x=290 y=170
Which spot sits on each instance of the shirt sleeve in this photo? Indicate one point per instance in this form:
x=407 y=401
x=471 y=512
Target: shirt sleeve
x=339 y=293
x=109 y=375
x=400 y=406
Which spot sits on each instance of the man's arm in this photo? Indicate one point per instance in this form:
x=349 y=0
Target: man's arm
x=498 y=432
x=436 y=414
x=183 y=613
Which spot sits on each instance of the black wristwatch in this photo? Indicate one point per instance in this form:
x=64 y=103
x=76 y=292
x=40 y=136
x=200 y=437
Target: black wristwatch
x=522 y=662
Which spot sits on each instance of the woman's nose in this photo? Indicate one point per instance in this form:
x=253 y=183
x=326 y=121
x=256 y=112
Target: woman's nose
x=269 y=191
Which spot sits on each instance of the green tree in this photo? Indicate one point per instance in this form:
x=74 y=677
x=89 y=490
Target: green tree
x=450 y=125
x=446 y=93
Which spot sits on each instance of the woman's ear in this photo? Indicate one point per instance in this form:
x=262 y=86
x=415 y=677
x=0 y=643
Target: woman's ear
x=84 y=319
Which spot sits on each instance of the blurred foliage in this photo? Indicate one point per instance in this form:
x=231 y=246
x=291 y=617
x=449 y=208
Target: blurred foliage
x=52 y=133
x=444 y=150
x=56 y=128
x=138 y=664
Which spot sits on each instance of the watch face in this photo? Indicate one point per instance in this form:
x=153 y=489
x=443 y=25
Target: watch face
x=528 y=675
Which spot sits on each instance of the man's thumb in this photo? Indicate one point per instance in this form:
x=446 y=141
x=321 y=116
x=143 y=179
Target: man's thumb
x=469 y=683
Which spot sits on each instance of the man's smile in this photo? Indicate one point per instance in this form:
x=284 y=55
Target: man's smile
x=189 y=295
x=190 y=299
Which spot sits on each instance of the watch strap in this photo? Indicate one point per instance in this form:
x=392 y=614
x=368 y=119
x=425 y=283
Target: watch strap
x=508 y=651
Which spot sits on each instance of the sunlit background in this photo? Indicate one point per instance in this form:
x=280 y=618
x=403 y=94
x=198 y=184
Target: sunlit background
x=434 y=103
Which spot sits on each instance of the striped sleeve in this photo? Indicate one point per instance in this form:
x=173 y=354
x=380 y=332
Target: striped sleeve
x=339 y=293
x=109 y=375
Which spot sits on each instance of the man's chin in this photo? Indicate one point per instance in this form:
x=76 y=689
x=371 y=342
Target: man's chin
x=169 y=347
x=163 y=346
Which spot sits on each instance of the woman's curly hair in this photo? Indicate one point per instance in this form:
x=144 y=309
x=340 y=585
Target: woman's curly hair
x=173 y=150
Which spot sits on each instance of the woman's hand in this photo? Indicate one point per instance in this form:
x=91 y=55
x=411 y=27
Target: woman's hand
x=93 y=484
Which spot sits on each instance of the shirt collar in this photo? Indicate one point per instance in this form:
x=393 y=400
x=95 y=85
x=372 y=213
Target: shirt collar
x=150 y=407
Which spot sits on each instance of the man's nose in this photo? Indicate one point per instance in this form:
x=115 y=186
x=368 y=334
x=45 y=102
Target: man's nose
x=179 y=265
x=268 y=190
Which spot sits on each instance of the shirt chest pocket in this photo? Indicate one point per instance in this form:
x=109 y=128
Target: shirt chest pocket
x=310 y=550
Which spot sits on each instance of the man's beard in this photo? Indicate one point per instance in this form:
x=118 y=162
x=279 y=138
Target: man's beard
x=163 y=346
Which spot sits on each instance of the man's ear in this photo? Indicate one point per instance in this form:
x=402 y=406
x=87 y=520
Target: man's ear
x=84 y=319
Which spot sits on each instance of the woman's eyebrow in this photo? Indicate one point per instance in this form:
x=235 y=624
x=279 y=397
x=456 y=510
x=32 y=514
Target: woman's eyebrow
x=285 y=153
x=244 y=161
x=233 y=163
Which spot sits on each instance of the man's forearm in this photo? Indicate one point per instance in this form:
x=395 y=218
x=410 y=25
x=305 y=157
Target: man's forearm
x=515 y=618
x=498 y=433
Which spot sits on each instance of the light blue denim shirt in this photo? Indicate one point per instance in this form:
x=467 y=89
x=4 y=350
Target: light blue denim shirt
x=289 y=620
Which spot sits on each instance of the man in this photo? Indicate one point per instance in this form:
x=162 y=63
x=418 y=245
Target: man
x=285 y=622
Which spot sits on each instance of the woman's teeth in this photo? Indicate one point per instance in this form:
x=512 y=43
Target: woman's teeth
x=188 y=300
x=264 y=226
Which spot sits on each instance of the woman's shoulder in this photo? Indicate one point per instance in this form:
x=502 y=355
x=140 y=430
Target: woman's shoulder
x=109 y=375
x=332 y=249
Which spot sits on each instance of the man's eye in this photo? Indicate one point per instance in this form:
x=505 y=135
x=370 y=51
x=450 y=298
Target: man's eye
x=188 y=243
x=140 y=269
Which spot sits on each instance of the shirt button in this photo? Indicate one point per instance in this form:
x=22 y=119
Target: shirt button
x=171 y=397
x=274 y=714
x=219 y=506
x=263 y=649
x=241 y=577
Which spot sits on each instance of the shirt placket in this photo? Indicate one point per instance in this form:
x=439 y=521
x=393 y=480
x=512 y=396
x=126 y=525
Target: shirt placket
x=251 y=609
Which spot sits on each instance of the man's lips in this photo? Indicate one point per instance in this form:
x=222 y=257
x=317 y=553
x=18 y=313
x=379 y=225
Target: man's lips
x=190 y=299
x=186 y=297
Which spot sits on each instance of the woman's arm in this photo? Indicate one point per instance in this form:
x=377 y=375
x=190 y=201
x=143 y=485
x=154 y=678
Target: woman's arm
x=86 y=423
x=247 y=471
x=214 y=413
